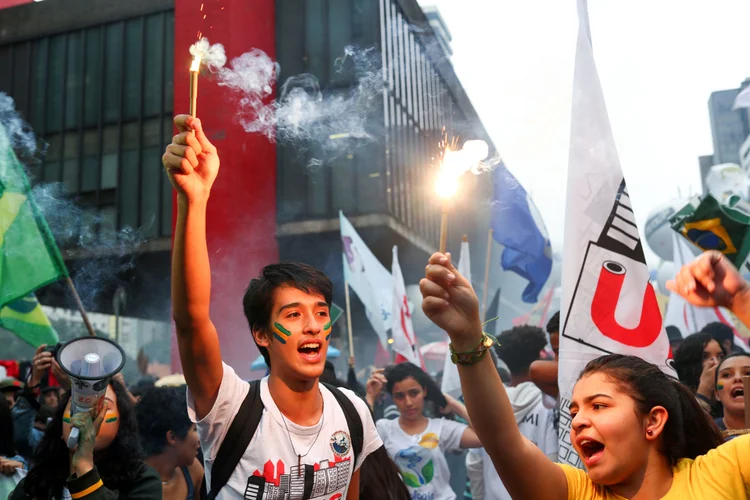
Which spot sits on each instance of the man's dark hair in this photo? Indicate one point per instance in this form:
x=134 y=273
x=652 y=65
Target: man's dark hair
x=720 y=332
x=258 y=299
x=520 y=346
x=160 y=410
x=553 y=325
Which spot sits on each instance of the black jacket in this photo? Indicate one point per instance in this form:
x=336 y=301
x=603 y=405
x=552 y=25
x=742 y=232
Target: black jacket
x=91 y=487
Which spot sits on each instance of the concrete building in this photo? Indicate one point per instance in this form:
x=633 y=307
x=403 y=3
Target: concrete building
x=100 y=86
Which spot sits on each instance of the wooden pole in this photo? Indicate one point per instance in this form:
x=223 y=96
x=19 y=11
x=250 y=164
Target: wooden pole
x=746 y=384
x=79 y=304
x=349 y=320
x=193 y=93
x=443 y=229
x=487 y=273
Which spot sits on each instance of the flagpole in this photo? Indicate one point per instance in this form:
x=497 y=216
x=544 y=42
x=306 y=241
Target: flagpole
x=349 y=320
x=79 y=304
x=487 y=272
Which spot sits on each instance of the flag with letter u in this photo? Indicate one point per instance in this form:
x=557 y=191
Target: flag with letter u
x=608 y=305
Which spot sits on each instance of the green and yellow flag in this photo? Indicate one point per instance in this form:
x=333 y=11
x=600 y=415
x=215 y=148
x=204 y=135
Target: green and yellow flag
x=29 y=258
x=25 y=318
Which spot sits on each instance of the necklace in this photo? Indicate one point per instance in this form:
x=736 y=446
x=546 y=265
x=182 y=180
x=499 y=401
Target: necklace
x=164 y=483
x=289 y=434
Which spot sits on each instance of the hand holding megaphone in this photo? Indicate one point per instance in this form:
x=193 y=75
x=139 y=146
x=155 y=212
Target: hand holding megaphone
x=86 y=429
x=90 y=362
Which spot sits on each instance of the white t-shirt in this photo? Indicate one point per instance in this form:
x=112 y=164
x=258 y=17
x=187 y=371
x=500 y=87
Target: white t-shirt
x=421 y=458
x=269 y=466
x=539 y=427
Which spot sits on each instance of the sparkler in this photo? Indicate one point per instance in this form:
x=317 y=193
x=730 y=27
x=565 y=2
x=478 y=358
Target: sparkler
x=454 y=163
x=194 y=71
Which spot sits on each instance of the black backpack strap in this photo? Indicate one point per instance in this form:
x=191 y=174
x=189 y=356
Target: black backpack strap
x=237 y=440
x=353 y=420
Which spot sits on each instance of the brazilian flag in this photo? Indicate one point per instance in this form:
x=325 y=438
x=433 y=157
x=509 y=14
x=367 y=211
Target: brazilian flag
x=29 y=258
x=25 y=318
x=713 y=225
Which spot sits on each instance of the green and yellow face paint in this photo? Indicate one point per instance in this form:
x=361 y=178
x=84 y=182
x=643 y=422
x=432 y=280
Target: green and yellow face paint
x=719 y=386
x=66 y=416
x=328 y=329
x=280 y=332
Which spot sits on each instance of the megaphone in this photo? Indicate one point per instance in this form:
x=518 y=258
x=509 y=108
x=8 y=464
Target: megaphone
x=90 y=362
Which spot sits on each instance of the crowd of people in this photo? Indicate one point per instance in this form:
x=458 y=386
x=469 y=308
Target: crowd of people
x=301 y=433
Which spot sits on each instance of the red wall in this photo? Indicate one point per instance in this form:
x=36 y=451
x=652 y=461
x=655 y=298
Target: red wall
x=242 y=210
x=12 y=3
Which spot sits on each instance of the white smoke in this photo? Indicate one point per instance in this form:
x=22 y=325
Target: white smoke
x=212 y=57
x=303 y=112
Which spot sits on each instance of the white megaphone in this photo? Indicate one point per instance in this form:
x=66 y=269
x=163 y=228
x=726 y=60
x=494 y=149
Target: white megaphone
x=90 y=362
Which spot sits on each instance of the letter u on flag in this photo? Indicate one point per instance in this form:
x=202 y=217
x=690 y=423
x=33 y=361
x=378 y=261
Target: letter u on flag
x=608 y=304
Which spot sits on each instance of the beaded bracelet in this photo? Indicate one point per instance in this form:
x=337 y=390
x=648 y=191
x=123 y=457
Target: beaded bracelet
x=474 y=355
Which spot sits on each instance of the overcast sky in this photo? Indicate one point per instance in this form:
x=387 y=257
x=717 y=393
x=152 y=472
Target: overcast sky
x=658 y=62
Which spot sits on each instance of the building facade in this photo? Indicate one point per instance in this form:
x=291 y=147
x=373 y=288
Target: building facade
x=100 y=87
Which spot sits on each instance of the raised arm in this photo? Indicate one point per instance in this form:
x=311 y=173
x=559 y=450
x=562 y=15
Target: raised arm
x=544 y=374
x=450 y=302
x=192 y=163
x=711 y=280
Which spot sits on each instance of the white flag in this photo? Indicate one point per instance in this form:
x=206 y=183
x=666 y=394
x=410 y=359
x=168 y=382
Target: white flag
x=451 y=384
x=742 y=100
x=402 y=332
x=608 y=304
x=685 y=317
x=369 y=279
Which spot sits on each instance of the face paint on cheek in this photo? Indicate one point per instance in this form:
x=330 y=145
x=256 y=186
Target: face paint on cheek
x=66 y=417
x=719 y=386
x=327 y=329
x=279 y=332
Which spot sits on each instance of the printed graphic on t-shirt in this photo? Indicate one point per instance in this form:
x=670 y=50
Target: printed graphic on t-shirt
x=322 y=480
x=415 y=462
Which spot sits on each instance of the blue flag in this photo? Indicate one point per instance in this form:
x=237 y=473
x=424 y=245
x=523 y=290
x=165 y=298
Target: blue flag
x=518 y=226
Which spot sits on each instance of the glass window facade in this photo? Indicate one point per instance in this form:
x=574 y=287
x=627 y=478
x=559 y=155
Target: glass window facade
x=101 y=98
x=391 y=174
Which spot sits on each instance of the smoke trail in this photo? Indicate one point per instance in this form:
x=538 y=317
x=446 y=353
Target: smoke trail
x=303 y=113
x=212 y=57
x=105 y=252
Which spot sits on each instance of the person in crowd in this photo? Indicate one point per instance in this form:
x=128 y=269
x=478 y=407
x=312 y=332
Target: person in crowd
x=28 y=426
x=10 y=388
x=418 y=444
x=519 y=348
x=380 y=479
x=288 y=311
x=696 y=361
x=639 y=433
x=675 y=337
x=12 y=465
x=553 y=330
x=724 y=335
x=51 y=397
x=544 y=372
x=106 y=463
x=730 y=391
x=170 y=441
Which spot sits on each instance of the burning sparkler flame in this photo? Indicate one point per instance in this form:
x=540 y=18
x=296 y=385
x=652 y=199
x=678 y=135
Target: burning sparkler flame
x=196 y=65
x=456 y=162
